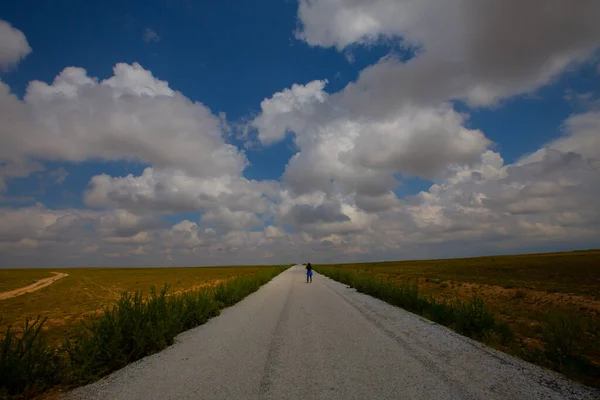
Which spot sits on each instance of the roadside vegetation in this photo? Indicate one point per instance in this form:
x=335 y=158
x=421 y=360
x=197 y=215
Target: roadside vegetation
x=85 y=291
x=544 y=308
x=137 y=325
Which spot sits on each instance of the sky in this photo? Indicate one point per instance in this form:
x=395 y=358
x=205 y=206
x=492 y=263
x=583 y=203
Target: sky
x=171 y=133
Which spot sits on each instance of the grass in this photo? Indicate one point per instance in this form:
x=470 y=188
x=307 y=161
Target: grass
x=11 y=279
x=85 y=291
x=545 y=307
x=27 y=364
x=136 y=326
x=470 y=317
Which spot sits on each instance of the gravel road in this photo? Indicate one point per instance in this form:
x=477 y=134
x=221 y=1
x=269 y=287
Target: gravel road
x=293 y=340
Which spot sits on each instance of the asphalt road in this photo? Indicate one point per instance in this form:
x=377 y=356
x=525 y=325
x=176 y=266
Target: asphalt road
x=293 y=340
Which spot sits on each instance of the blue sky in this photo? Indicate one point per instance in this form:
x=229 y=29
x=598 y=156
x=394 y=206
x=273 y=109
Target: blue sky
x=356 y=151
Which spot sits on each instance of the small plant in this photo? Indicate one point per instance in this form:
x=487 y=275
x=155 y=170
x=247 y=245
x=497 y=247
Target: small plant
x=137 y=326
x=470 y=318
x=520 y=294
x=568 y=336
x=27 y=364
x=440 y=312
x=473 y=319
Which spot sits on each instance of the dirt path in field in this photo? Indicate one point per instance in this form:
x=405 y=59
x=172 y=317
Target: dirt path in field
x=42 y=283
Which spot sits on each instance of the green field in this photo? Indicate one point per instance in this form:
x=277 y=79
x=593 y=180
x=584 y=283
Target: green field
x=86 y=290
x=528 y=293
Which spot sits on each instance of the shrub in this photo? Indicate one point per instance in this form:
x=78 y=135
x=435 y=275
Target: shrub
x=27 y=364
x=470 y=318
x=136 y=326
x=440 y=312
x=567 y=336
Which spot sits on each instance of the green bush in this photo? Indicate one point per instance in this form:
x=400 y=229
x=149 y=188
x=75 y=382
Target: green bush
x=27 y=364
x=472 y=318
x=138 y=326
x=440 y=312
x=469 y=318
x=568 y=336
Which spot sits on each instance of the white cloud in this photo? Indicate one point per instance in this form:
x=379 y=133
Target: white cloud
x=13 y=46
x=39 y=224
x=336 y=200
x=582 y=132
x=288 y=110
x=122 y=224
x=130 y=116
x=480 y=51
x=173 y=191
x=360 y=154
x=188 y=235
x=226 y=220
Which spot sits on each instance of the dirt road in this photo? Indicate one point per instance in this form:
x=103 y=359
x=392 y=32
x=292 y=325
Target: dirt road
x=42 y=283
x=296 y=340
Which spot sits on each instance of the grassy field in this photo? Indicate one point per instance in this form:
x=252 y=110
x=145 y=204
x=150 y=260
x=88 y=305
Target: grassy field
x=125 y=319
x=85 y=291
x=535 y=295
x=11 y=279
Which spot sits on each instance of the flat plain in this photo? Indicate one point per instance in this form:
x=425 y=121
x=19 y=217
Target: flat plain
x=83 y=293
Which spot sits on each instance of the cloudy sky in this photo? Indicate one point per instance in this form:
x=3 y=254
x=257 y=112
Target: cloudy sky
x=235 y=132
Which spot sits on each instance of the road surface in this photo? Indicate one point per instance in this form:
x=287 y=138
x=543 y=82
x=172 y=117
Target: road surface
x=297 y=340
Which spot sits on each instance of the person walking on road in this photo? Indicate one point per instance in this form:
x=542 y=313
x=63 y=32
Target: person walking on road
x=308 y=273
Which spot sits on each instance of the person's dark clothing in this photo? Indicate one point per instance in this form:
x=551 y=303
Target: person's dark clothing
x=309 y=273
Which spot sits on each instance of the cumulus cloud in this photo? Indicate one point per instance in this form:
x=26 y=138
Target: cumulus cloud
x=336 y=200
x=549 y=195
x=359 y=154
x=535 y=201
x=129 y=116
x=13 y=46
x=37 y=224
x=397 y=120
x=464 y=48
x=122 y=224
x=174 y=191
x=324 y=213
x=187 y=235
x=287 y=110
x=226 y=220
